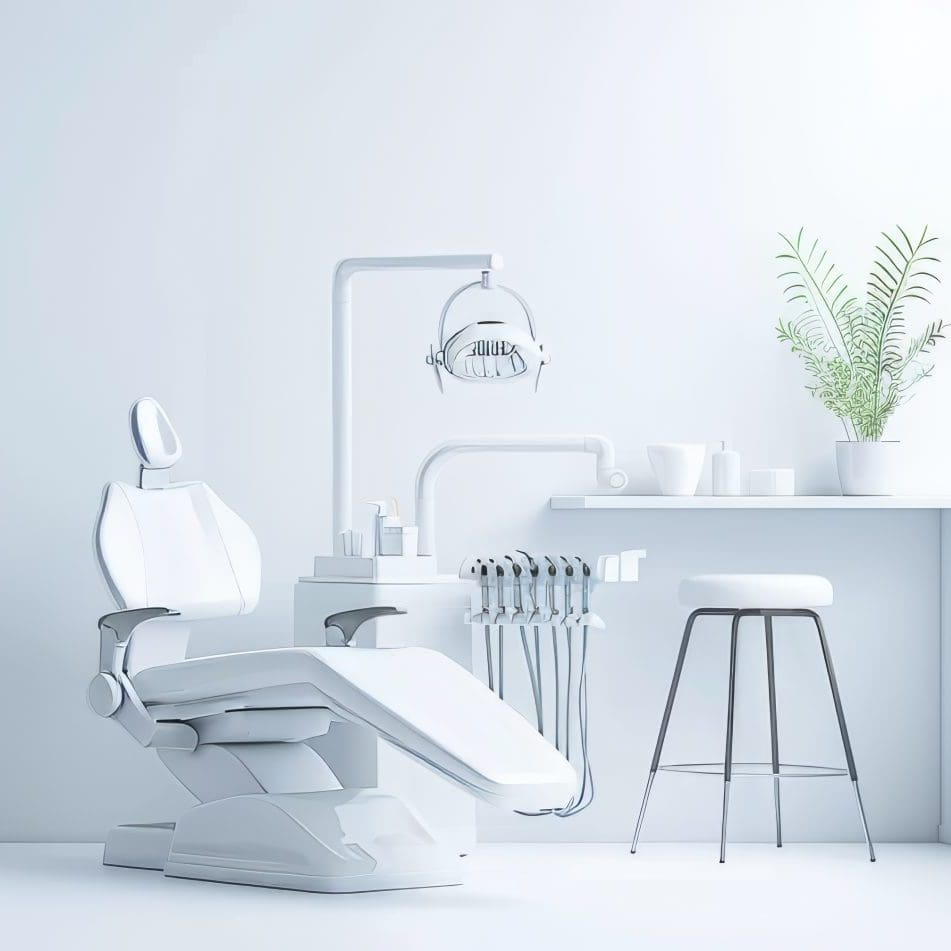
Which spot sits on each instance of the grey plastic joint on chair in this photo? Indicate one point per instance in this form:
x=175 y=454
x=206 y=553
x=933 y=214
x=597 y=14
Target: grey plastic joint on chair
x=348 y=623
x=115 y=631
x=111 y=693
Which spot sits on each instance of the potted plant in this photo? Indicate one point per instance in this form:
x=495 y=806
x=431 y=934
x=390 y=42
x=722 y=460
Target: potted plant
x=863 y=358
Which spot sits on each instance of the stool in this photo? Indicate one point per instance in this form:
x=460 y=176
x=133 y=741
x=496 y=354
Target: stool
x=768 y=597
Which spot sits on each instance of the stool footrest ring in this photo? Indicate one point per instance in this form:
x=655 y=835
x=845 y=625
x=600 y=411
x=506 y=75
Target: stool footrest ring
x=762 y=770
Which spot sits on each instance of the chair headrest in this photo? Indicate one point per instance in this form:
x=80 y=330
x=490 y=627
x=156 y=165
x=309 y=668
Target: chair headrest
x=153 y=436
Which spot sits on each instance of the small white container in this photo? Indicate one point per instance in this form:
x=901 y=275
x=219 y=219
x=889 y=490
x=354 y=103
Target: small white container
x=772 y=482
x=400 y=540
x=678 y=466
x=726 y=471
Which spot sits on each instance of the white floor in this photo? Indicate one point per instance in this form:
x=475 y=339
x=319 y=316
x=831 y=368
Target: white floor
x=518 y=896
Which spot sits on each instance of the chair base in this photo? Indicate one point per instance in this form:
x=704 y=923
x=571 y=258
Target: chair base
x=342 y=840
x=313 y=883
x=145 y=845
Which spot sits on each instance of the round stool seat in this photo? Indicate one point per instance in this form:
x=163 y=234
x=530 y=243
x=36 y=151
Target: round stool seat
x=756 y=591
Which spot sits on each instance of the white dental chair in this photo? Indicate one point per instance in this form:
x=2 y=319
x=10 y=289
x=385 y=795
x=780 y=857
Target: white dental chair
x=233 y=728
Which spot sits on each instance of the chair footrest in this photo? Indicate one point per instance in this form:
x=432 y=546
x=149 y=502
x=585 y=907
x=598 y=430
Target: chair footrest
x=762 y=770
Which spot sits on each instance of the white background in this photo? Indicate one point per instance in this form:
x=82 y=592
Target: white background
x=176 y=182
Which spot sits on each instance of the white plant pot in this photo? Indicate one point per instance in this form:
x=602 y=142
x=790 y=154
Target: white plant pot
x=868 y=468
x=678 y=466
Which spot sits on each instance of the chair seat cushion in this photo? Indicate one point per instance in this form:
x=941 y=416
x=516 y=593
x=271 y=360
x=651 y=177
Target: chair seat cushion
x=414 y=698
x=756 y=591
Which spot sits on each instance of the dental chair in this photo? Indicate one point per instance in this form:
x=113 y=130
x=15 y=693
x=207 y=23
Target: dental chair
x=234 y=728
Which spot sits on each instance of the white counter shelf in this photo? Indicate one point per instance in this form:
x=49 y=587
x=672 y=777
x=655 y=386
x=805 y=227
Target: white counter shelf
x=641 y=502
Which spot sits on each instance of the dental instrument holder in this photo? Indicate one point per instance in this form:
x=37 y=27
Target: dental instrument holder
x=522 y=591
x=506 y=589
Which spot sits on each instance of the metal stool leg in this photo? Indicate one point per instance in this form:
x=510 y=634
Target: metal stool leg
x=728 y=756
x=659 y=746
x=843 y=729
x=773 y=731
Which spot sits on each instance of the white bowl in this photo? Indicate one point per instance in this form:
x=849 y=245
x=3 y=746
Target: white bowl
x=678 y=466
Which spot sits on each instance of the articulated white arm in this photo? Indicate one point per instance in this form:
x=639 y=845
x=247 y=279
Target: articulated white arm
x=609 y=476
x=343 y=362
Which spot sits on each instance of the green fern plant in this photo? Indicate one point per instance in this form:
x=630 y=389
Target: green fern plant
x=861 y=356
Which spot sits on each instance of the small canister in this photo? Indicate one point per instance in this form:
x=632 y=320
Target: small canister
x=399 y=540
x=773 y=482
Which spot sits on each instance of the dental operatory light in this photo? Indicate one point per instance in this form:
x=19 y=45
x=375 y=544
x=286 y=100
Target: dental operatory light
x=488 y=350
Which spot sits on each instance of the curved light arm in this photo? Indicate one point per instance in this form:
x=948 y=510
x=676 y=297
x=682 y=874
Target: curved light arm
x=342 y=367
x=609 y=476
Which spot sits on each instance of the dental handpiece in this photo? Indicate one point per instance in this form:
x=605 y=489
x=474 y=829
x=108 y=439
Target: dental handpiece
x=533 y=574
x=519 y=615
x=533 y=594
x=569 y=614
x=500 y=595
x=569 y=576
x=586 y=793
x=516 y=588
x=484 y=585
x=585 y=584
x=552 y=612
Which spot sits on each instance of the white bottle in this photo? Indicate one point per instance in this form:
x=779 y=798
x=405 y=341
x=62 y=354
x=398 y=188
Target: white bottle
x=726 y=471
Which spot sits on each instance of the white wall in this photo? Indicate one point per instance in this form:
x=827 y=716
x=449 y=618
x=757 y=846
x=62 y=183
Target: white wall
x=944 y=830
x=176 y=182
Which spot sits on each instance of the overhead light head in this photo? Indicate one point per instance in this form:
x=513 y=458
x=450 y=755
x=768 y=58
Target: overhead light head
x=488 y=350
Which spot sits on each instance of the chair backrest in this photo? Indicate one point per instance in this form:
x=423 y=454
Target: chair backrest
x=173 y=545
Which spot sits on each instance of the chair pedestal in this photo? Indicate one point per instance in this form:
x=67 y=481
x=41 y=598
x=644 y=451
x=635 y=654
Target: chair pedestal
x=343 y=840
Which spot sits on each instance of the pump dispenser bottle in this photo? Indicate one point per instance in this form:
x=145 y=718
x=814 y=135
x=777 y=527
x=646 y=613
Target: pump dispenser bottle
x=726 y=471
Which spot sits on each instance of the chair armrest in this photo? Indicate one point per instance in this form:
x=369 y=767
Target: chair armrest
x=348 y=622
x=126 y=620
x=111 y=694
x=115 y=630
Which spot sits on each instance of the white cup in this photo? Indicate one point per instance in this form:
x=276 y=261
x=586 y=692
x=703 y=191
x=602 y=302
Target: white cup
x=772 y=482
x=677 y=466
